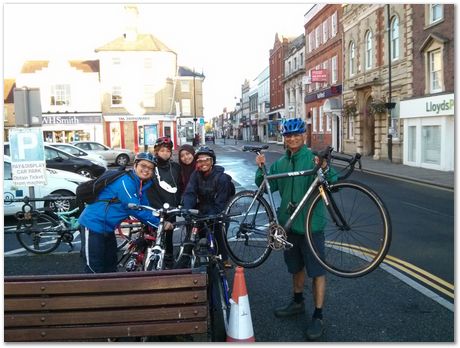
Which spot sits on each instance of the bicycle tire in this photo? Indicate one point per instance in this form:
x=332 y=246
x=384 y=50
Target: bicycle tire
x=360 y=249
x=219 y=307
x=41 y=237
x=247 y=241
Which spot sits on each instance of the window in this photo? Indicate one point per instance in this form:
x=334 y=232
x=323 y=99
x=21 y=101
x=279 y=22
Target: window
x=326 y=67
x=313 y=120
x=301 y=63
x=334 y=71
x=431 y=144
x=117 y=98
x=148 y=63
x=317 y=84
x=289 y=68
x=325 y=31
x=328 y=121
x=395 y=38
x=295 y=63
x=351 y=53
x=60 y=95
x=321 y=126
x=318 y=36
x=185 y=86
x=311 y=43
x=412 y=143
x=116 y=61
x=334 y=24
x=435 y=65
x=309 y=85
x=436 y=13
x=351 y=128
x=149 y=96
x=369 y=50
x=186 y=107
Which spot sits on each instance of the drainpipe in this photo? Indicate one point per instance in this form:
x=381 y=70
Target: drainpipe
x=389 y=105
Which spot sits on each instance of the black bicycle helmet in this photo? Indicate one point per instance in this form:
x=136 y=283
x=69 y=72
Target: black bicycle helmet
x=145 y=156
x=205 y=150
x=294 y=126
x=164 y=141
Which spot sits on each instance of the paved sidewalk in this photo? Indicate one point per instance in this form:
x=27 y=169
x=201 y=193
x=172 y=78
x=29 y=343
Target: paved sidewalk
x=387 y=168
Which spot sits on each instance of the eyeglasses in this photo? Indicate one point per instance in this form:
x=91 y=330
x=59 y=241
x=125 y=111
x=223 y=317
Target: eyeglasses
x=295 y=135
x=145 y=167
x=163 y=184
x=204 y=160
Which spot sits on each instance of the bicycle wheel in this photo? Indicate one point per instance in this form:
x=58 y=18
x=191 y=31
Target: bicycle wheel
x=41 y=236
x=219 y=305
x=246 y=235
x=361 y=245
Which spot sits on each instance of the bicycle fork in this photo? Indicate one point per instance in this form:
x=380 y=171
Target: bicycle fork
x=334 y=212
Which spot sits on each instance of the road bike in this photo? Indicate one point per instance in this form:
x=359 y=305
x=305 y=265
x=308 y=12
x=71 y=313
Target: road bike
x=42 y=231
x=200 y=249
x=356 y=227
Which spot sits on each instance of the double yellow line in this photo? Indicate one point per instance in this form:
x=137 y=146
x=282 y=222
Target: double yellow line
x=406 y=267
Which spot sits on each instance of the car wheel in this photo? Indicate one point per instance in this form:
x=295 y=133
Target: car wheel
x=122 y=160
x=86 y=172
x=61 y=204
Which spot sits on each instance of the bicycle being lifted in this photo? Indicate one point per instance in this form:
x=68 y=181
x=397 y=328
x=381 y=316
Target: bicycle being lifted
x=357 y=226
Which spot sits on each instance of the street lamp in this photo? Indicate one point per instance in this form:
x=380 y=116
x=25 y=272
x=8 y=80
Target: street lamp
x=389 y=105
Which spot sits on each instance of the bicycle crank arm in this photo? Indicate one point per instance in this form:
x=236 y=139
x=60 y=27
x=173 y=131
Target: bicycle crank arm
x=283 y=242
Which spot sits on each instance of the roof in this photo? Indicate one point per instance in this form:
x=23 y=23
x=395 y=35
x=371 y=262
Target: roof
x=32 y=66
x=143 y=42
x=8 y=90
x=185 y=71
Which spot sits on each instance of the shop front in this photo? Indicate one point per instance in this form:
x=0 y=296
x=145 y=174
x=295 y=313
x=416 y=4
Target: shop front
x=138 y=133
x=429 y=132
x=68 y=127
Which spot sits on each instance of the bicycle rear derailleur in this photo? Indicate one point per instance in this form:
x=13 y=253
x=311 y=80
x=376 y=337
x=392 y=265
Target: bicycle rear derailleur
x=277 y=237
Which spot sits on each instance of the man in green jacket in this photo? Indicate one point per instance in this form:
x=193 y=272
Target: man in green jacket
x=298 y=157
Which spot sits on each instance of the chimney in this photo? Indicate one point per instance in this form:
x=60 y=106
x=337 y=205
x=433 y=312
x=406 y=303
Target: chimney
x=131 y=19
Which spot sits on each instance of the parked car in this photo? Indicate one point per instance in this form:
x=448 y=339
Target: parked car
x=73 y=150
x=58 y=159
x=120 y=157
x=59 y=183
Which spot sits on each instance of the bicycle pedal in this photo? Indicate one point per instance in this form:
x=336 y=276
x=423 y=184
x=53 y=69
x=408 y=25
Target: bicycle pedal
x=70 y=247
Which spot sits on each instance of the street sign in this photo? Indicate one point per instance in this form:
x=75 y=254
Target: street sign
x=27 y=151
x=202 y=121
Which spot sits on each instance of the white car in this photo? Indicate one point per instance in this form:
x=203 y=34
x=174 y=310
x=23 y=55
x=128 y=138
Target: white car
x=73 y=150
x=120 y=157
x=59 y=182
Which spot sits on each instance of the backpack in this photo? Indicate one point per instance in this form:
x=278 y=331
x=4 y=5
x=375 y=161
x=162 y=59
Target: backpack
x=88 y=191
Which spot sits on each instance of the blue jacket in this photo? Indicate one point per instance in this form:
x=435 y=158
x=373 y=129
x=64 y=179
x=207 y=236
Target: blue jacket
x=209 y=194
x=102 y=216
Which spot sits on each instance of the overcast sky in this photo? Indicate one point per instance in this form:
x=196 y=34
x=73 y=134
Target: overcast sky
x=228 y=42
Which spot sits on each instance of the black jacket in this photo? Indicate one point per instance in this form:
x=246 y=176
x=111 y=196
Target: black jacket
x=168 y=171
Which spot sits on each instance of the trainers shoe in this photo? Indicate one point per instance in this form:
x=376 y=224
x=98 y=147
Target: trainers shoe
x=291 y=309
x=315 y=329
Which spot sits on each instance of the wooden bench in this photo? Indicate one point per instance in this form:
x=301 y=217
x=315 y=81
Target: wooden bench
x=100 y=306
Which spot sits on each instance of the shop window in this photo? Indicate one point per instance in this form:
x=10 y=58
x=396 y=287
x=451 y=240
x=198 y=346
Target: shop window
x=328 y=122
x=60 y=95
x=412 y=143
x=431 y=144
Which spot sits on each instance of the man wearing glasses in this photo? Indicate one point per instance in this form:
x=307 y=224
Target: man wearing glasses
x=208 y=191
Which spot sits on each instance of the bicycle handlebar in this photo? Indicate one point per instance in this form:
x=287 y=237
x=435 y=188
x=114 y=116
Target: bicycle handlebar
x=27 y=199
x=166 y=210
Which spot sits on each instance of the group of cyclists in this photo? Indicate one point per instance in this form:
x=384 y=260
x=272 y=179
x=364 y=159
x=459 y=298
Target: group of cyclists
x=157 y=179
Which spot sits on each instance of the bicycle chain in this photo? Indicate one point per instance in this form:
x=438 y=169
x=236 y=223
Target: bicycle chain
x=276 y=236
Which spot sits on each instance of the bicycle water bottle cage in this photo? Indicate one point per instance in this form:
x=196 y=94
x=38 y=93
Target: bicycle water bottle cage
x=277 y=237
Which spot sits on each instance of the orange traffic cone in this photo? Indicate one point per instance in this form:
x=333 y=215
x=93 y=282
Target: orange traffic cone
x=240 y=323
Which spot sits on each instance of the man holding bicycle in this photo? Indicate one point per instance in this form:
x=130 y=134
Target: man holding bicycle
x=298 y=157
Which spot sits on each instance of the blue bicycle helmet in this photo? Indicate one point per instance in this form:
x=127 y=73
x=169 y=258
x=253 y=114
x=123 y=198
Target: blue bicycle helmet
x=294 y=126
x=205 y=150
x=145 y=156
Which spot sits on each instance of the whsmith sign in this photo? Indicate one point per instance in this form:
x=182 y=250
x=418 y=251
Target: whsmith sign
x=71 y=119
x=439 y=105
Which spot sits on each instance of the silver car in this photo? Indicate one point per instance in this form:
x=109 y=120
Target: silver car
x=73 y=150
x=121 y=157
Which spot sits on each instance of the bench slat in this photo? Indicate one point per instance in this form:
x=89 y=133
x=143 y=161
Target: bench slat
x=111 y=331
x=159 y=282
x=104 y=317
x=104 y=301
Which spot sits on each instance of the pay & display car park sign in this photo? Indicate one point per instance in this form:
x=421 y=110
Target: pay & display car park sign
x=27 y=151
